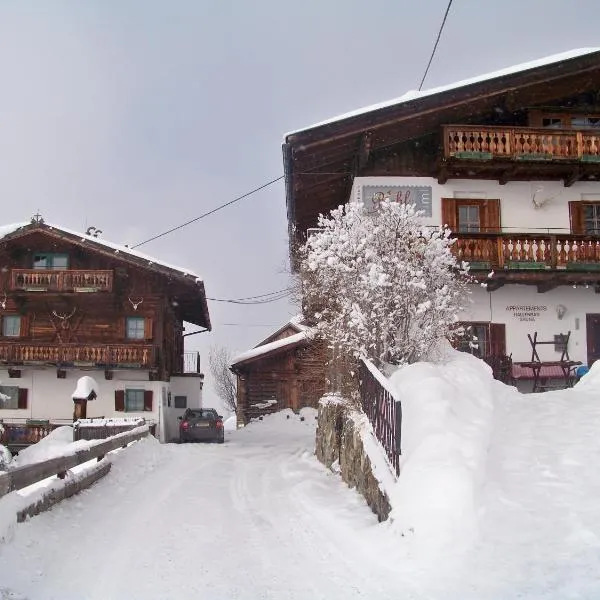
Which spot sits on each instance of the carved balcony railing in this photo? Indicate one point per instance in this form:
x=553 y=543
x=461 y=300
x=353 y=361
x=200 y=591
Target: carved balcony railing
x=109 y=355
x=51 y=280
x=520 y=143
x=528 y=251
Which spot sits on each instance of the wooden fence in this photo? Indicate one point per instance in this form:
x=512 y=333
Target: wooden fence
x=21 y=477
x=384 y=411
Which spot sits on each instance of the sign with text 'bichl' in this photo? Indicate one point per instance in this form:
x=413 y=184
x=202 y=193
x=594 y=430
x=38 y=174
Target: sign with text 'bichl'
x=419 y=195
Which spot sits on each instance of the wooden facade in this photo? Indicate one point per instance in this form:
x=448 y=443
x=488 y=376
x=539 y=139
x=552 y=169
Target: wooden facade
x=70 y=300
x=279 y=375
x=535 y=124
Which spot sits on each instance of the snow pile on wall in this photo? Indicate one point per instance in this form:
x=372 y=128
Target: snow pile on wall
x=117 y=422
x=446 y=431
x=57 y=443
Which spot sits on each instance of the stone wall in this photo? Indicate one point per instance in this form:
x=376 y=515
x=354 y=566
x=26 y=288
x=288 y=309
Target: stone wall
x=339 y=447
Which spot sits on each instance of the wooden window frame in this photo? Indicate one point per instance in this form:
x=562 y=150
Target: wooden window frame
x=128 y=399
x=489 y=214
x=51 y=256
x=21 y=398
x=121 y=400
x=536 y=119
x=4 y=320
x=577 y=218
x=141 y=331
x=495 y=344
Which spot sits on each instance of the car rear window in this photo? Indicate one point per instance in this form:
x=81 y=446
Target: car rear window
x=201 y=414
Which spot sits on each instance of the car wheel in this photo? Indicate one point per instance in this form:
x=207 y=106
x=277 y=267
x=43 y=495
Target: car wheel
x=221 y=440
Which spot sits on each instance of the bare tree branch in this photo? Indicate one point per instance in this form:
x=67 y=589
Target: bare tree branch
x=219 y=359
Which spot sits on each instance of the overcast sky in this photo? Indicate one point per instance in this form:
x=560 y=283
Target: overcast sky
x=135 y=116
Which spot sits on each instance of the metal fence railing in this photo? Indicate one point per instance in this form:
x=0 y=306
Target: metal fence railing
x=383 y=410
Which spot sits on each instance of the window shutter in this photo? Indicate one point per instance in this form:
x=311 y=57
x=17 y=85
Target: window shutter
x=576 y=217
x=24 y=326
x=22 y=401
x=121 y=327
x=497 y=339
x=148 y=328
x=120 y=400
x=490 y=215
x=449 y=213
x=148 y=400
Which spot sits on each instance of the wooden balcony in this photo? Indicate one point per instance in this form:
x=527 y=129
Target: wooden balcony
x=531 y=258
x=486 y=143
x=101 y=355
x=50 y=280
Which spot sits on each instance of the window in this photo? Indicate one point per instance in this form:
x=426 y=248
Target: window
x=585 y=122
x=552 y=122
x=50 y=261
x=11 y=326
x=476 y=340
x=9 y=397
x=135 y=328
x=591 y=218
x=483 y=339
x=180 y=401
x=468 y=218
x=471 y=216
x=134 y=400
x=585 y=217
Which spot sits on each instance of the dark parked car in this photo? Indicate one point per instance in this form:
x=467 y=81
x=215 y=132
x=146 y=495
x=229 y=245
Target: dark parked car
x=201 y=425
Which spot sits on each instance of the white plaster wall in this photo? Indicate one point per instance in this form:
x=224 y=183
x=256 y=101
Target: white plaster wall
x=50 y=397
x=517 y=212
x=496 y=307
x=189 y=386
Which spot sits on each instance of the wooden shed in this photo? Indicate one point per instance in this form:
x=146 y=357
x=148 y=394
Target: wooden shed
x=286 y=370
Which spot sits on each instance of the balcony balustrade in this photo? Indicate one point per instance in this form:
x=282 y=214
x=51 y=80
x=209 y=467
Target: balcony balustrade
x=50 y=280
x=111 y=355
x=484 y=142
x=528 y=251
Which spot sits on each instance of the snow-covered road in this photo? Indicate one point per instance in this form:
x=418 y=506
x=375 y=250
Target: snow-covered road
x=260 y=518
x=249 y=519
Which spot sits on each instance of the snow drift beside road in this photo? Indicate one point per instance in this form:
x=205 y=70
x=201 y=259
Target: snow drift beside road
x=447 y=411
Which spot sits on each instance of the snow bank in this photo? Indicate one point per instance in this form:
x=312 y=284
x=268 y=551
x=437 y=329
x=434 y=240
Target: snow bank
x=57 y=443
x=447 y=423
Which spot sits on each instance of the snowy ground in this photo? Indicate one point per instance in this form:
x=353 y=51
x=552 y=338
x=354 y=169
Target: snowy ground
x=259 y=517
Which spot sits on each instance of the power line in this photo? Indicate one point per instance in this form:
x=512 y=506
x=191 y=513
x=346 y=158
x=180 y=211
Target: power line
x=439 y=35
x=274 y=297
x=246 y=325
x=210 y=212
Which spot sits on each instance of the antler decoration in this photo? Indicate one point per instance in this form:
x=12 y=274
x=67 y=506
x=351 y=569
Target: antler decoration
x=136 y=303
x=64 y=317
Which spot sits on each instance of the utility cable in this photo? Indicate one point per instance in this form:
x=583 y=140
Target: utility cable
x=439 y=35
x=210 y=212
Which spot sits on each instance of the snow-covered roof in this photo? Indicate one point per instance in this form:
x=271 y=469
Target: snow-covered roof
x=6 y=230
x=87 y=388
x=291 y=340
x=415 y=95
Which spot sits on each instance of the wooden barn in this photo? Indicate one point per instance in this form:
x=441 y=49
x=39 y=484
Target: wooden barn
x=286 y=370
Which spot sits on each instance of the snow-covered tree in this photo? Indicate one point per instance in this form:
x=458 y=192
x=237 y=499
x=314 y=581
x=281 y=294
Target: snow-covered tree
x=381 y=284
x=224 y=380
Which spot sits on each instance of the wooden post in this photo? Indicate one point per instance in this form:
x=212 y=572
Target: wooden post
x=79 y=410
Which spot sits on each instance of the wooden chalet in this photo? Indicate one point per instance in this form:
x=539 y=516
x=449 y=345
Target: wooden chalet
x=510 y=161
x=73 y=303
x=286 y=370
